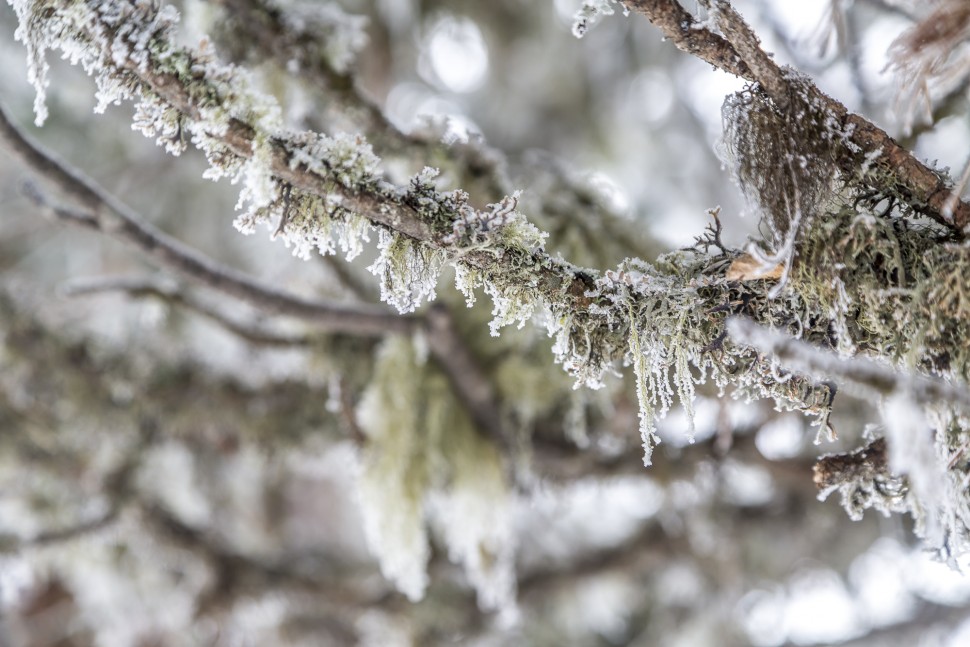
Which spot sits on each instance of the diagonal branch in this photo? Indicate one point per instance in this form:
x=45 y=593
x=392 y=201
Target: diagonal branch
x=740 y=54
x=864 y=374
x=108 y=215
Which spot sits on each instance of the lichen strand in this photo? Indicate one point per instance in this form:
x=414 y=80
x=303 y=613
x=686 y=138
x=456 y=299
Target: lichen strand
x=783 y=158
x=423 y=461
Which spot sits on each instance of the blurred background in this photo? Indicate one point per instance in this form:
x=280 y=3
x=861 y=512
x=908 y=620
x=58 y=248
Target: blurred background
x=168 y=479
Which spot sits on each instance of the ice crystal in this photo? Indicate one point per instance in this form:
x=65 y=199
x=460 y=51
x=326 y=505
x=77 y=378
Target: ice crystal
x=912 y=453
x=473 y=227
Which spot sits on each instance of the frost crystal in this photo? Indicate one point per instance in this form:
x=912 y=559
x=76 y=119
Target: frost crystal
x=912 y=454
x=408 y=271
x=592 y=12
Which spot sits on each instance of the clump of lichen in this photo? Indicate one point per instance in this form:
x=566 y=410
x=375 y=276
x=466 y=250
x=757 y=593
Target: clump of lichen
x=783 y=157
x=892 y=287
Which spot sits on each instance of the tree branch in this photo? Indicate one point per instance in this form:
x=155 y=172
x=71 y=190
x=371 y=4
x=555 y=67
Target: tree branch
x=864 y=374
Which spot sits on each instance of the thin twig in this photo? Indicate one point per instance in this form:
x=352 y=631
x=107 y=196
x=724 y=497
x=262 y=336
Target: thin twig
x=151 y=287
x=863 y=374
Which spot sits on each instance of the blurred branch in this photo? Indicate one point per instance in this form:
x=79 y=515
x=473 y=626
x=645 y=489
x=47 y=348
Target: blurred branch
x=141 y=287
x=103 y=212
x=647 y=549
x=270 y=35
x=183 y=399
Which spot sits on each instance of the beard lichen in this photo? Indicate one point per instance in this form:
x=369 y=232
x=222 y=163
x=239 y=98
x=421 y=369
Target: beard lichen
x=783 y=158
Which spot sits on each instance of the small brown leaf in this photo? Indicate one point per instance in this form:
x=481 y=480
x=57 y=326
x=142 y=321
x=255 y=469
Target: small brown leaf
x=747 y=268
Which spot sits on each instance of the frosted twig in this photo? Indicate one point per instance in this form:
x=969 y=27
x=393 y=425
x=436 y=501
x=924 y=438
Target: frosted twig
x=738 y=33
x=924 y=186
x=864 y=374
x=688 y=35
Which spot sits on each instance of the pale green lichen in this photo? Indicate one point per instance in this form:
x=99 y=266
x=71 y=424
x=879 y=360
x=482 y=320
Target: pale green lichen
x=893 y=287
x=423 y=460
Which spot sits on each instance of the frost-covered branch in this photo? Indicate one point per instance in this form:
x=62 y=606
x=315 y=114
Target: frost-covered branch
x=472 y=388
x=104 y=212
x=865 y=375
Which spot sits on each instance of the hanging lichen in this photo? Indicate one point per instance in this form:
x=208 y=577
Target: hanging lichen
x=423 y=460
x=783 y=157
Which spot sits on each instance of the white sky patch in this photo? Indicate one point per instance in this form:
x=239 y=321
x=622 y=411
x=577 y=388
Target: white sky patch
x=651 y=95
x=877 y=576
x=946 y=143
x=874 y=46
x=705 y=92
x=935 y=581
x=746 y=484
x=800 y=21
x=762 y=615
x=820 y=609
x=457 y=54
x=673 y=429
x=781 y=438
